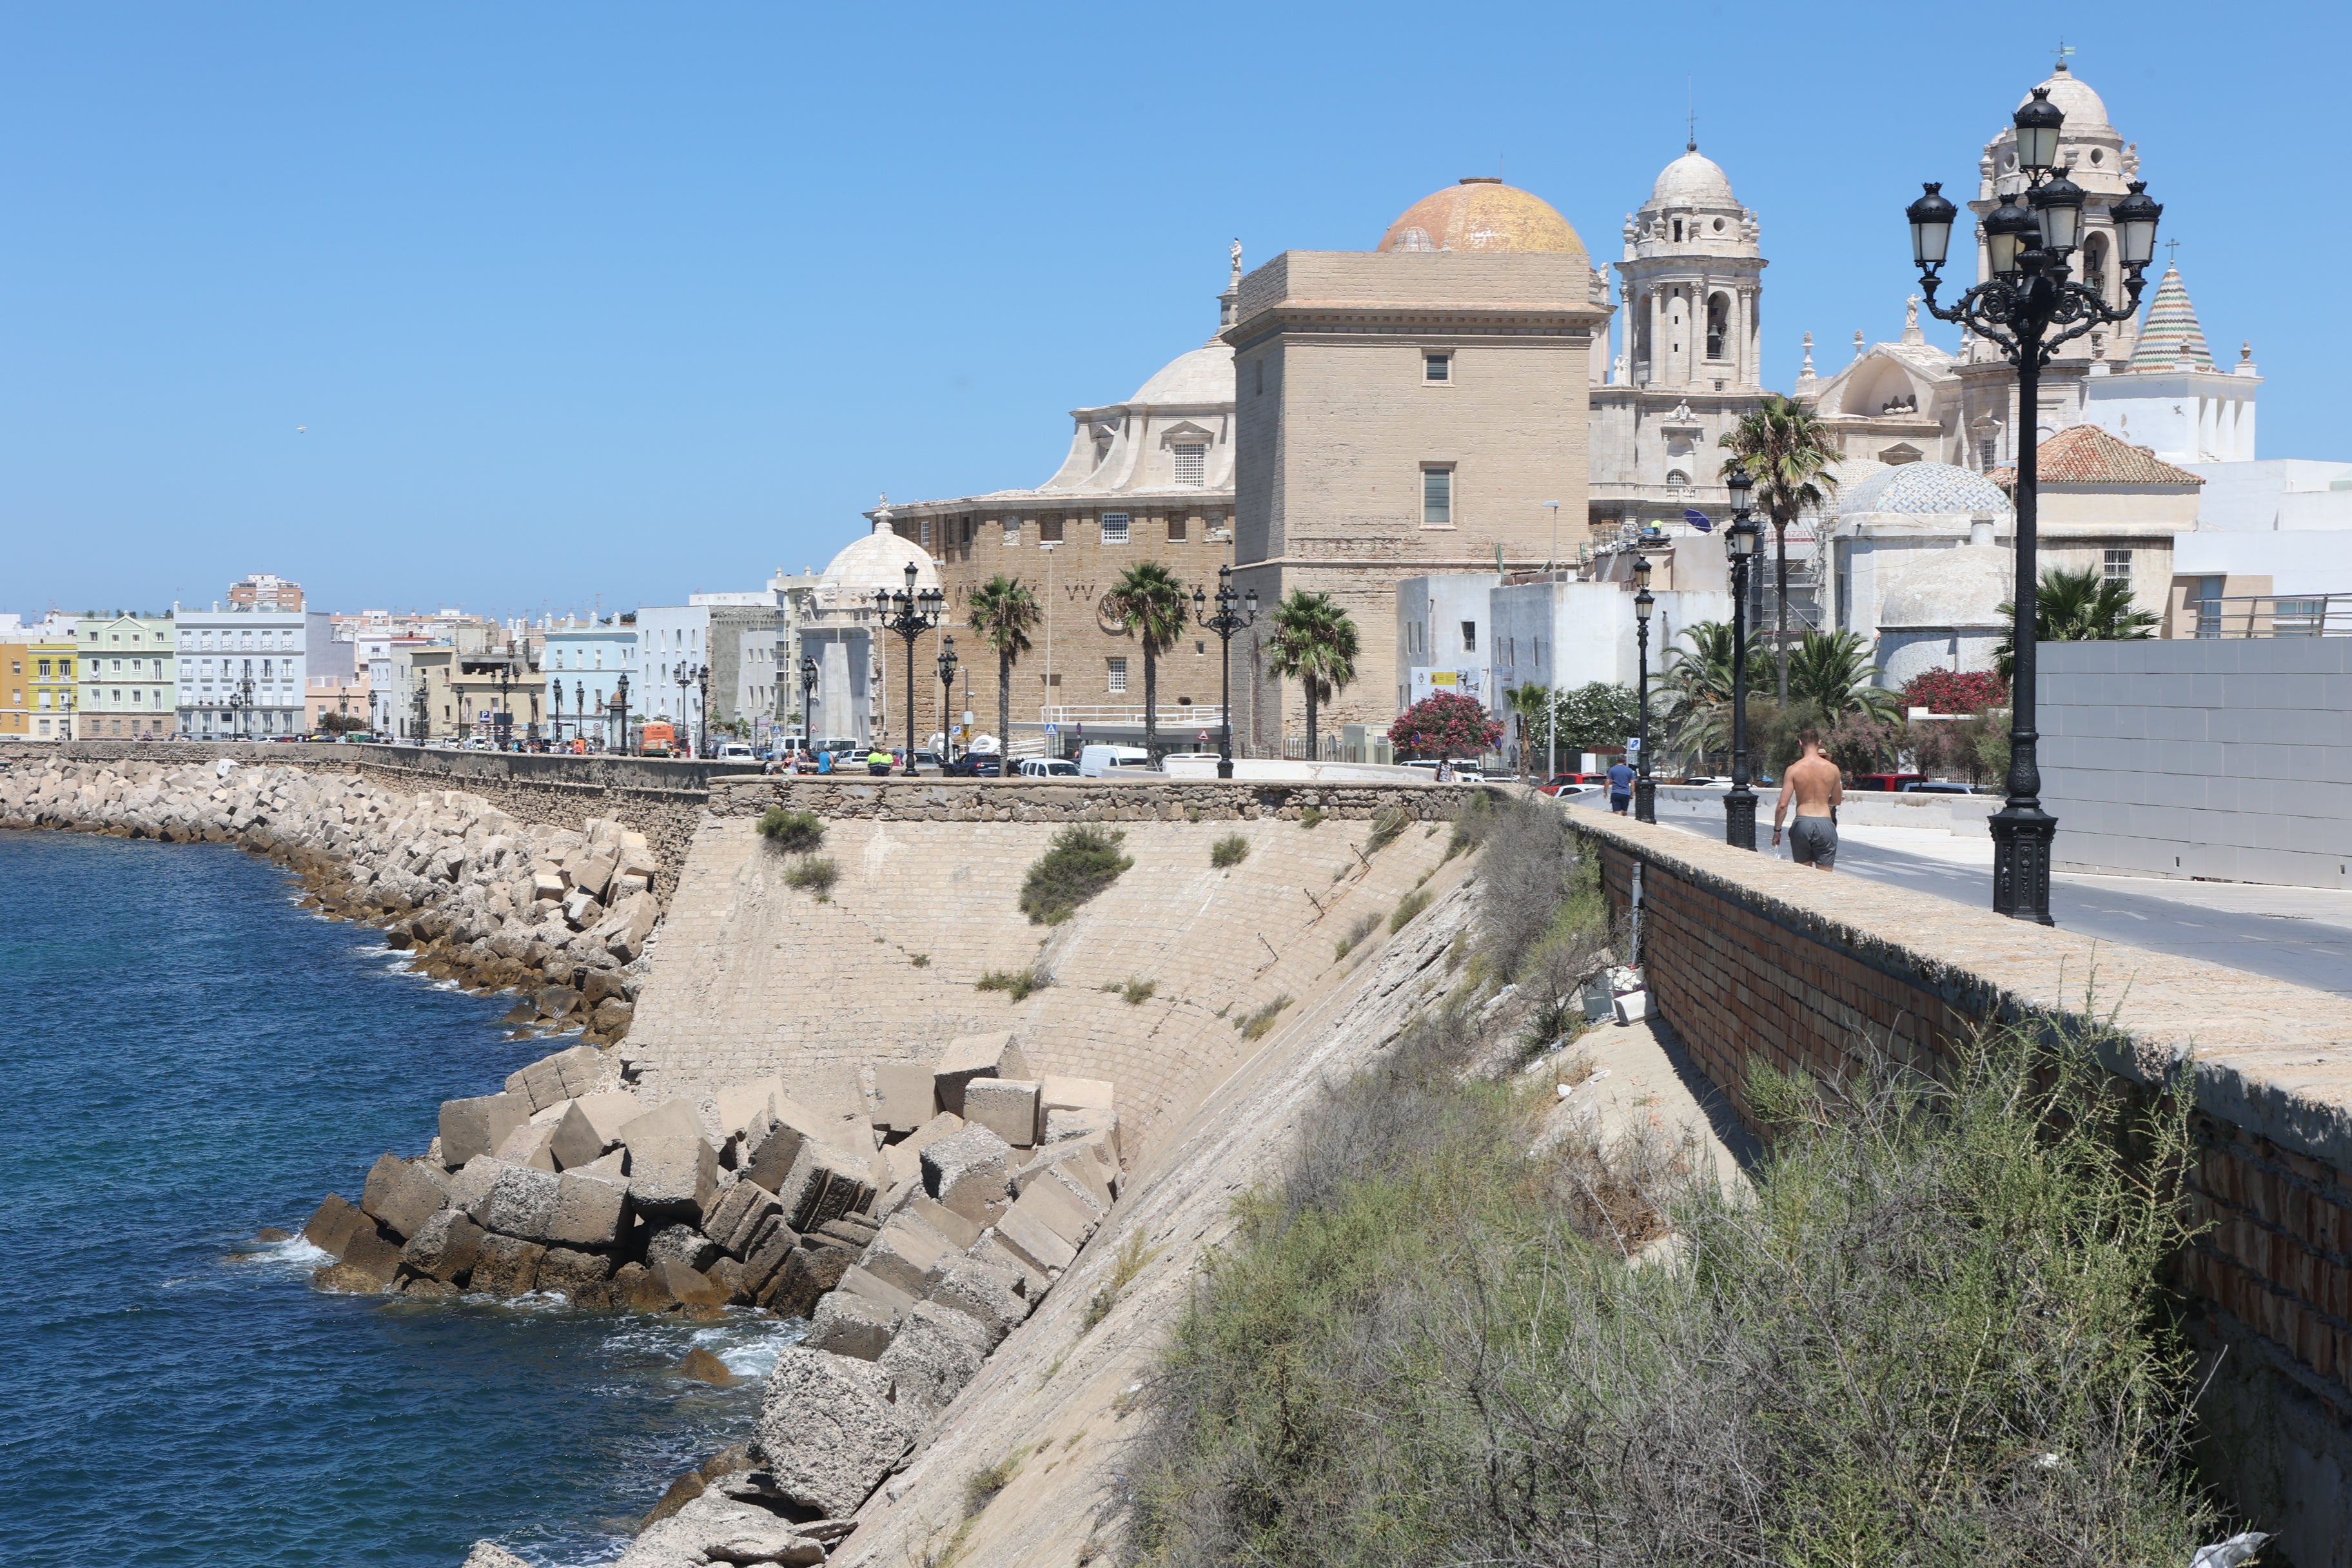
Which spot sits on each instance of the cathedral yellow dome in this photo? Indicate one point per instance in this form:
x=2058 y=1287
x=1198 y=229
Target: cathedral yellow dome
x=1481 y=213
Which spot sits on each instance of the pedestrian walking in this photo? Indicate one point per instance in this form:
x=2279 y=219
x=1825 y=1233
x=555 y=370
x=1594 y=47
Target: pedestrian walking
x=1621 y=786
x=1815 y=783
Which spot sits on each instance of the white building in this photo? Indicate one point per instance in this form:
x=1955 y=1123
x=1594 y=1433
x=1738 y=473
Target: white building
x=584 y=663
x=671 y=640
x=244 y=672
x=1442 y=624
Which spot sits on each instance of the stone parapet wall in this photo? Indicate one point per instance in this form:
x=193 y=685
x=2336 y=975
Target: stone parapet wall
x=1748 y=957
x=1077 y=800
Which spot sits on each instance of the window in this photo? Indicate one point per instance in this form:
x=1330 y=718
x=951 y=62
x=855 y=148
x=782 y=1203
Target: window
x=1012 y=531
x=1118 y=672
x=1437 y=497
x=1176 y=526
x=1192 y=463
x=1469 y=636
x=1114 y=528
x=1049 y=530
x=926 y=533
x=1718 y=323
x=2118 y=567
x=1437 y=367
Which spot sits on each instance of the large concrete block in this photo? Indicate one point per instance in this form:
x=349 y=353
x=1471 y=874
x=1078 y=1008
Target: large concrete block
x=691 y=1287
x=935 y=1355
x=823 y=1183
x=332 y=1226
x=477 y=1126
x=1005 y=1106
x=808 y=1272
x=1075 y=1093
x=608 y=1112
x=590 y=1211
x=765 y=1255
x=401 y=1195
x=1060 y=1211
x=574 y=1140
x=742 y=1110
x=506 y=1265
x=444 y=1246
x=584 y=1277
x=994 y=1297
x=969 y=1056
x=531 y=1144
x=681 y=1244
x=670 y=1119
x=858 y=1281
x=904 y=1252
x=1038 y=1243
x=1063 y=1126
x=851 y=1325
x=520 y=1203
x=991 y=1249
x=970 y=1173
x=961 y=1233
x=906 y=1095
x=372 y=1251
x=742 y=1214
x=831 y=1430
x=673 y=1179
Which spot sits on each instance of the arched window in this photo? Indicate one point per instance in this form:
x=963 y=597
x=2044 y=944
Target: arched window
x=2094 y=262
x=1718 y=323
x=1678 y=231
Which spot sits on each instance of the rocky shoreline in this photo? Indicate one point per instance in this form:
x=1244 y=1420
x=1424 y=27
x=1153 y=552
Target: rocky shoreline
x=472 y=893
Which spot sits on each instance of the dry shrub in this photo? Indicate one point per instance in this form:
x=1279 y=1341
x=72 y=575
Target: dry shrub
x=1018 y=984
x=792 y=831
x=1080 y=863
x=813 y=874
x=1229 y=851
x=1362 y=926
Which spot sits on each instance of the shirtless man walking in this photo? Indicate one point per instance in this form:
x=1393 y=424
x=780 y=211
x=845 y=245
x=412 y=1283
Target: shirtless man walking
x=1818 y=787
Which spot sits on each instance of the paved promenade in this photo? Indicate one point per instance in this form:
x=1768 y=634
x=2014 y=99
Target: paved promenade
x=2299 y=935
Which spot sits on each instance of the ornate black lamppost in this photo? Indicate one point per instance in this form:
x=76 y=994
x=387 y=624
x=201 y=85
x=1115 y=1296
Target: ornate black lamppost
x=1233 y=612
x=619 y=718
x=1645 y=790
x=579 y=704
x=2027 y=309
x=808 y=705
x=685 y=679
x=1744 y=541
x=422 y=704
x=503 y=727
x=946 y=696
x=558 y=725
x=702 y=710
x=910 y=615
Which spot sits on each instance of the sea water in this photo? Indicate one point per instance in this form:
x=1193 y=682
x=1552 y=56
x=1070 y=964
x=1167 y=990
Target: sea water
x=190 y=1057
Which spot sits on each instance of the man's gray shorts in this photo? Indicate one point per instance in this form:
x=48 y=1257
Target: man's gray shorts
x=1813 y=841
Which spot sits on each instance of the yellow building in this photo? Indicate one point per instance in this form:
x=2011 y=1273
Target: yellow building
x=49 y=693
x=16 y=691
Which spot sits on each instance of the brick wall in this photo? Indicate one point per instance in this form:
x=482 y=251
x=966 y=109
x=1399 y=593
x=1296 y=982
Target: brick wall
x=1748 y=958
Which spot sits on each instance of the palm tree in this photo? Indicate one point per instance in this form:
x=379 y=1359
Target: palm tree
x=1532 y=703
x=1156 y=608
x=1697 y=683
x=1834 y=672
x=1787 y=452
x=1003 y=612
x=1314 y=644
x=2074 y=606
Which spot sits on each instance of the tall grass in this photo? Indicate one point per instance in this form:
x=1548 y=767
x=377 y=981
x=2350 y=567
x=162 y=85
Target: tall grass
x=1930 y=1330
x=1081 y=862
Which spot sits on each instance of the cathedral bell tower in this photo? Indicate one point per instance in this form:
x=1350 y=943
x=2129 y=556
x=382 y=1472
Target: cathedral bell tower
x=1691 y=280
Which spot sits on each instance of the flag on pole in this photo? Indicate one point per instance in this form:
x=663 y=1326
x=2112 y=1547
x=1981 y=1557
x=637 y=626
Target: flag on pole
x=1698 y=519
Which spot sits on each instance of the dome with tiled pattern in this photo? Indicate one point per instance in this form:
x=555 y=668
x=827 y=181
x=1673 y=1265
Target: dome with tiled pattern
x=1922 y=489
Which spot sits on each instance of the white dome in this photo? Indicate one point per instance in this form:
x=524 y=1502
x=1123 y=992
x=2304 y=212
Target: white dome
x=1960 y=587
x=2083 y=108
x=1924 y=489
x=1205 y=376
x=1693 y=180
x=880 y=561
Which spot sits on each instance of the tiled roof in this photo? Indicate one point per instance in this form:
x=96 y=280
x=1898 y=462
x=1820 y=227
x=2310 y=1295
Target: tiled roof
x=2171 y=333
x=1920 y=489
x=2086 y=455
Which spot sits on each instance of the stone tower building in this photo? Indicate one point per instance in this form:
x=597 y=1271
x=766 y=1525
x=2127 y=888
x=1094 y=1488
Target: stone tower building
x=1417 y=408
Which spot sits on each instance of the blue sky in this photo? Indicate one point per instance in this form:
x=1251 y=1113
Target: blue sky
x=592 y=301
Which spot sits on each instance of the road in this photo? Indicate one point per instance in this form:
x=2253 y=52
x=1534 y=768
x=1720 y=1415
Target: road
x=2299 y=935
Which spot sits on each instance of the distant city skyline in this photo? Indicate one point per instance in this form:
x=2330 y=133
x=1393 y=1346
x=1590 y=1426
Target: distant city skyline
x=555 y=310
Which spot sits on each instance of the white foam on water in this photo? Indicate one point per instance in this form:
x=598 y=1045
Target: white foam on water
x=446 y=985
x=292 y=1256
x=748 y=1345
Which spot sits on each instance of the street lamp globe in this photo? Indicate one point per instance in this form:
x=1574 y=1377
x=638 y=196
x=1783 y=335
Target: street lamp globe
x=2135 y=219
x=2059 y=201
x=2037 y=121
x=2008 y=231
x=1931 y=216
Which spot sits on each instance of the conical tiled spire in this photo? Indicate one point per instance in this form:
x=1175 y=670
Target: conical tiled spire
x=2170 y=333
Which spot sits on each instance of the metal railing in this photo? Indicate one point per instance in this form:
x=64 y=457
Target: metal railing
x=1123 y=717
x=2272 y=616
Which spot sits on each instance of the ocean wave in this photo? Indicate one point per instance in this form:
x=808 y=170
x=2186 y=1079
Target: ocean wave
x=293 y=1255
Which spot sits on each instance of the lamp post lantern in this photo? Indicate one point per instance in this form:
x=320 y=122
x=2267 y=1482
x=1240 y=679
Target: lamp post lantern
x=1234 y=612
x=2026 y=309
x=559 y=713
x=947 y=697
x=808 y=705
x=618 y=716
x=1645 y=790
x=1744 y=541
x=503 y=727
x=422 y=704
x=702 y=710
x=910 y=615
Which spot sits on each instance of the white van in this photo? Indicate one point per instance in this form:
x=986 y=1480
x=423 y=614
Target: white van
x=1047 y=768
x=1096 y=760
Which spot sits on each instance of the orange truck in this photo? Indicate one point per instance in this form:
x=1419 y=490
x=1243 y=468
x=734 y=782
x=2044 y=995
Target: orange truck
x=658 y=740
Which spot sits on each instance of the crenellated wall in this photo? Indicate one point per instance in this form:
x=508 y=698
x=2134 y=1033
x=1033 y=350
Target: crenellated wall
x=1748 y=957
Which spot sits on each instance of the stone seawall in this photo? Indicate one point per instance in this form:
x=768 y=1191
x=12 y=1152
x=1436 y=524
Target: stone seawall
x=1748 y=957
x=1078 y=800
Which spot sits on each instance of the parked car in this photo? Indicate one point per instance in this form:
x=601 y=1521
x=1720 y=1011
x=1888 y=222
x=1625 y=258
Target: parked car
x=1463 y=772
x=1885 y=782
x=1048 y=768
x=1096 y=760
x=737 y=752
x=978 y=765
x=1945 y=786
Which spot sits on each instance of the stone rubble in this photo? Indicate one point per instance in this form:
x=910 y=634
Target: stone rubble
x=910 y=1274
